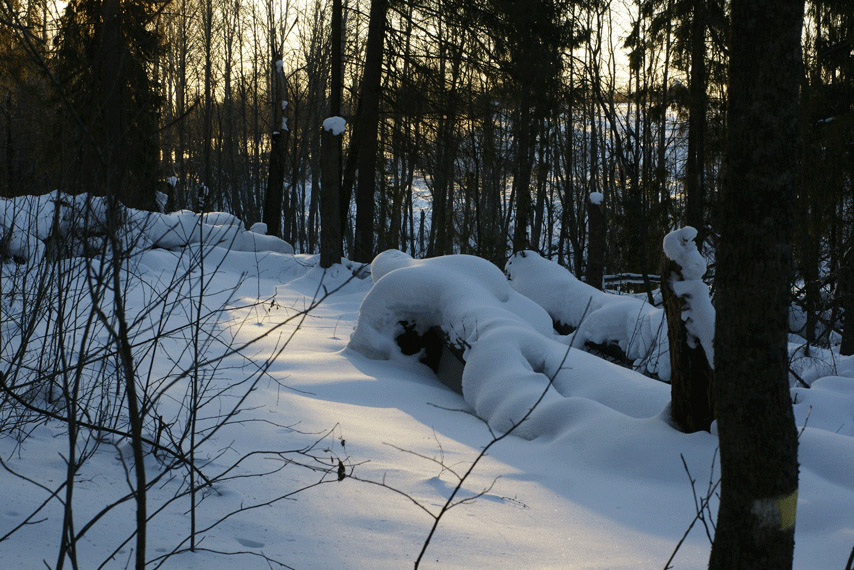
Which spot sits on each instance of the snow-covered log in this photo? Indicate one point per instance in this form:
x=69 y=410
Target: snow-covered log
x=631 y=324
x=511 y=352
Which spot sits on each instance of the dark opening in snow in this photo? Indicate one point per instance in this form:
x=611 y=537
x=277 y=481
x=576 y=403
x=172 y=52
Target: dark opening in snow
x=446 y=361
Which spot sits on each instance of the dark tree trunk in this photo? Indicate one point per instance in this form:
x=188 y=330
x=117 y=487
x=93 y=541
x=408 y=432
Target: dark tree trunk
x=694 y=179
x=203 y=194
x=596 y=246
x=363 y=249
x=758 y=439
x=348 y=181
x=330 y=228
x=113 y=68
x=847 y=269
x=9 y=183
x=522 y=180
x=691 y=377
x=274 y=197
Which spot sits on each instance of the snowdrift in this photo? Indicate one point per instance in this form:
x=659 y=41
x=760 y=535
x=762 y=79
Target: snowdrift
x=74 y=225
x=510 y=349
x=604 y=420
x=596 y=317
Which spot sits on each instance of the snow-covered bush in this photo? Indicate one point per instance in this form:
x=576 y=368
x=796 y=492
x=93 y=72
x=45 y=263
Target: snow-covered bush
x=213 y=229
x=462 y=294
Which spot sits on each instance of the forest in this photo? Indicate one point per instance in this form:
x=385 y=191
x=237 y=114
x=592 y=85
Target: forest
x=687 y=160
x=473 y=127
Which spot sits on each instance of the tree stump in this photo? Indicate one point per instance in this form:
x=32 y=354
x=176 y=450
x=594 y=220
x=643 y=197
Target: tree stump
x=691 y=376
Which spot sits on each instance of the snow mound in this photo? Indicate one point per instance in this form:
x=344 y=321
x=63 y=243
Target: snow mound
x=511 y=351
x=29 y=223
x=213 y=229
x=638 y=328
x=461 y=294
x=67 y=225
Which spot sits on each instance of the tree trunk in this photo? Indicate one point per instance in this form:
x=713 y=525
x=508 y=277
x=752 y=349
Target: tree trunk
x=113 y=68
x=330 y=207
x=758 y=440
x=522 y=180
x=596 y=246
x=691 y=377
x=363 y=249
x=694 y=183
x=847 y=269
x=204 y=192
x=274 y=197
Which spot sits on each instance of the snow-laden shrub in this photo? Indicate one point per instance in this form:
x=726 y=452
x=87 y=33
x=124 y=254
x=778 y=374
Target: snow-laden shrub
x=63 y=224
x=638 y=328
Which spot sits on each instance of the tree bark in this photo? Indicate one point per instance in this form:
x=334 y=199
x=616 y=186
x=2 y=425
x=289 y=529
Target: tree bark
x=691 y=377
x=274 y=196
x=758 y=440
x=694 y=179
x=596 y=244
x=847 y=279
x=522 y=180
x=363 y=249
x=330 y=228
x=112 y=77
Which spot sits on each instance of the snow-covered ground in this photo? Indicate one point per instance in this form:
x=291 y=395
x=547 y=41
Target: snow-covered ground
x=596 y=481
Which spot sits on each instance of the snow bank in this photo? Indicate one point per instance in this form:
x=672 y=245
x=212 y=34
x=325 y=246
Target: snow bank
x=639 y=329
x=29 y=223
x=461 y=294
x=213 y=229
x=509 y=345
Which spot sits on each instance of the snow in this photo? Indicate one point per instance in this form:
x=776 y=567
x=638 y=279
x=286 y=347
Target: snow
x=594 y=481
x=597 y=198
x=335 y=125
x=28 y=222
x=161 y=199
x=698 y=312
x=679 y=246
x=464 y=295
x=636 y=327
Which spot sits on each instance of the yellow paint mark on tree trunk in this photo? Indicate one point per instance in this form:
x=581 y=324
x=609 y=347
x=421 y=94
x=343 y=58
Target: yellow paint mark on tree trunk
x=787 y=507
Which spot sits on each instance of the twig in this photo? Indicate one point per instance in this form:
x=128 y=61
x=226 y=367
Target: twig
x=701 y=508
